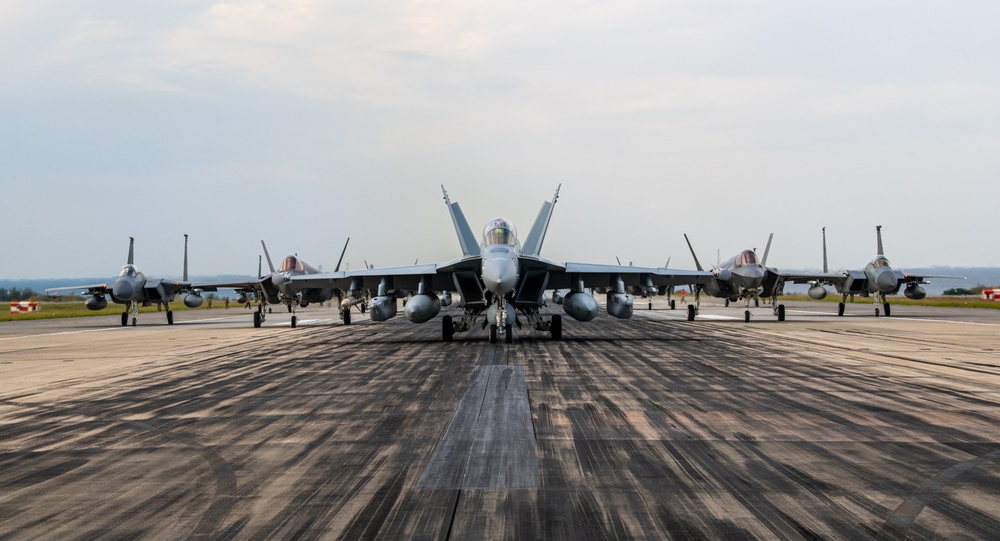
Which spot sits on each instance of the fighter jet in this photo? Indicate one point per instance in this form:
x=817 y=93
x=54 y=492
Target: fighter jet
x=502 y=279
x=277 y=287
x=876 y=280
x=742 y=277
x=132 y=288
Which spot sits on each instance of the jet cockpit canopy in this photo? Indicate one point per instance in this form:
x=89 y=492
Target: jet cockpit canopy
x=747 y=257
x=880 y=261
x=499 y=231
x=129 y=270
x=291 y=263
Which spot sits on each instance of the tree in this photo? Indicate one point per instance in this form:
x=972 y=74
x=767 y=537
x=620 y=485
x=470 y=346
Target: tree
x=959 y=291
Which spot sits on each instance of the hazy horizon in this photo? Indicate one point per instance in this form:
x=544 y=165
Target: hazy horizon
x=304 y=123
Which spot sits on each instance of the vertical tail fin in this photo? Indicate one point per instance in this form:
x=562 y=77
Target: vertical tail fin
x=826 y=267
x=878 y=233
x=697 y=264
x=268 y=256
x=344 y=251
x=466 y=239
x=185 y=278
x=260 y=267
x=533 y=243
x=763 y=260
x=131 y=252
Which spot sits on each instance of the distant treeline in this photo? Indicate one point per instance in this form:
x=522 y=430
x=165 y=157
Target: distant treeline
x=15 y=294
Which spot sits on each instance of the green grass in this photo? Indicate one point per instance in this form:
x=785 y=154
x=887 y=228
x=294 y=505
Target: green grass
x=55 y=309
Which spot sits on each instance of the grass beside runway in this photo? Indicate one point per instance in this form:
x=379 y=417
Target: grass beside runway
x=53 y=310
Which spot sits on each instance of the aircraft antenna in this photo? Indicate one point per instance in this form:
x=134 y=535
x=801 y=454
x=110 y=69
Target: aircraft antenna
x=341 y=260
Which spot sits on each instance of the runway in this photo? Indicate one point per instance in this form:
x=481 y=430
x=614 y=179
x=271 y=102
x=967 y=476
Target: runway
x=819 y=427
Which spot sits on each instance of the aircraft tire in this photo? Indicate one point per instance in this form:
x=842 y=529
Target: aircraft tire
x=690 y=312
x=650 y=305
x=886 y=309
x=447 y=329
x=781 y=312
x=289 y=306
x=294 y=321
x=508 y=333
x=555 y=327
x=124 y=319
x=135 y=322
x=727 y=303
x=256 y=319
x=347 y=316
x=840 y=309
x=756 y=302
x=746 y=316
x=170 y=317
x=493 y=334
x=673 y=304
x=876 y=312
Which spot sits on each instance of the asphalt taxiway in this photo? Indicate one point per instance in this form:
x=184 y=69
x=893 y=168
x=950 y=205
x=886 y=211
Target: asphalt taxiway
x=819 y=427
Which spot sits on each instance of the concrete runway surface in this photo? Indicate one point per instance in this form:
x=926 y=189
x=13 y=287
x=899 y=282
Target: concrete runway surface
x=820 y=427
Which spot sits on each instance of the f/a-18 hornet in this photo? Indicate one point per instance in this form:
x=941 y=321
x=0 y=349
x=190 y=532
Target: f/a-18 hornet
x=132 y=288
x=503 y=279
x=877 y=280
x=742 y=277
x=278 y=288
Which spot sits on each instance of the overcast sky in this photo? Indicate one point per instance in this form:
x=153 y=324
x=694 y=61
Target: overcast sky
x=303 y=123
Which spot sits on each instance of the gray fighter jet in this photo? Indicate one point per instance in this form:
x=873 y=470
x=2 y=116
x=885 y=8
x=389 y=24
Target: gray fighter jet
x=876 y=280
x=743 y=277
x=132 y=288
x=278 y=288
x=501 y=279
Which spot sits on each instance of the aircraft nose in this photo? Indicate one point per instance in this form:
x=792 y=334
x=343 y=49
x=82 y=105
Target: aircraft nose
x=886 y=280
x=499 y=276
x=123 y=289
x=752 y=277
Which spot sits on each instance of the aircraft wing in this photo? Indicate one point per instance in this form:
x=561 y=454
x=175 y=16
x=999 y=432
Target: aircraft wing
x=830 y=278
x=907 y=278
x=437 y=276
x=594 y=274
x=249 y=285
x=92 y=289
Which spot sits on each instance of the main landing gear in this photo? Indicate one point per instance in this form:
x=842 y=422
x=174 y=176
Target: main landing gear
x=779 y=309
x=879 y=298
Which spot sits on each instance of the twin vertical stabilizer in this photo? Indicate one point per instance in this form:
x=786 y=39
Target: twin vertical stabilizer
x=533 y=243
x=465 y=236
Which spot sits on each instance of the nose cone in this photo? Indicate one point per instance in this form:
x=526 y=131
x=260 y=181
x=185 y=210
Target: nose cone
x=886 y=280
x=500 y=275
x=750 y=277
x=123 y=289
